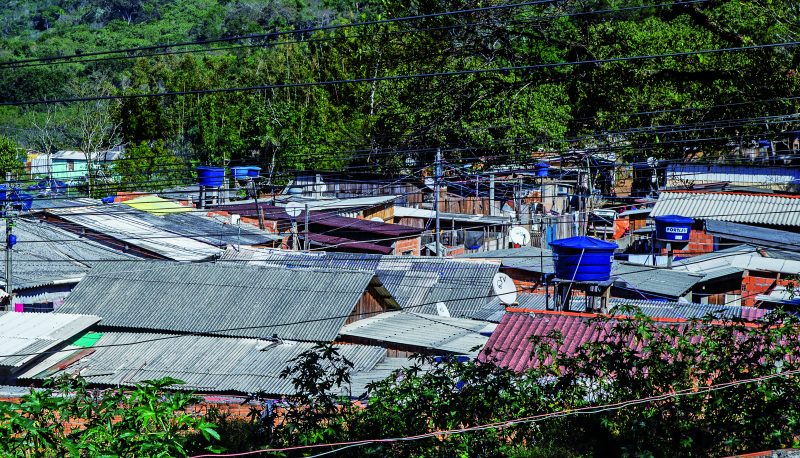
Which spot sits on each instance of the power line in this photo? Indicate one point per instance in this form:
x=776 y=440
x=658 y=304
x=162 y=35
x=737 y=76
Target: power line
x=588 y=410
x=81 y=58
x=787 y=44
x=287 y=32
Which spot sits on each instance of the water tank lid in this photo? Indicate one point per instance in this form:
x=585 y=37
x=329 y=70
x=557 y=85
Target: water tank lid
x=673 y=219
x=584 y=243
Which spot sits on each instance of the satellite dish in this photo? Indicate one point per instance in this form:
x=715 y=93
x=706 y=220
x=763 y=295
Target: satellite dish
x=235 y=219
x=504 y=288
x=519 y=235
x=430 y=183
x=294 y=209
x=441 y=309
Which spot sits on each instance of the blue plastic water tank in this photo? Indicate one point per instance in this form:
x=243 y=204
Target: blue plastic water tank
x=3 y=192
x=240 y=173
x=24 y=199
x=673 y=228
x=107 y=200
x=541 y=169
x=583 y=258
x=253 y=171
x=210 y=176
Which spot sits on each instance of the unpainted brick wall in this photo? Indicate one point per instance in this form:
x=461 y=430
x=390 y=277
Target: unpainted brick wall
x=411 y=244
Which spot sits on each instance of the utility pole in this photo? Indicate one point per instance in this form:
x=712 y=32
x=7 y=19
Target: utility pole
x=11 y=239
x=437 y=190
x=491 y=194
x=305 y=232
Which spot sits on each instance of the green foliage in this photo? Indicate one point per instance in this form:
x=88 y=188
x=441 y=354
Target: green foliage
x=70 y=420
x=149 y=167
x=491 y=116
x=12 y=158
x=436 y=396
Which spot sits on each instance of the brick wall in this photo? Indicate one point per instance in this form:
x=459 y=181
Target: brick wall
x=411 y=244
x=755 y=283
x=525 y=281
x=126 y=196
x=699 y=243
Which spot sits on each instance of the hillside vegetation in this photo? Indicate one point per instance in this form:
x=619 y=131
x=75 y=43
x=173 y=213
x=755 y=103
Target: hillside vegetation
x=587 y=99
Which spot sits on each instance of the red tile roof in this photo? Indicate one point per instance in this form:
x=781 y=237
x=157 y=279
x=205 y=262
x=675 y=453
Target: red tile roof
x=510 y=346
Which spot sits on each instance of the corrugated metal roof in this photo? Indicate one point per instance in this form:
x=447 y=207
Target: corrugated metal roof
x=45 y=255
x=321 y=222
x=415 y=282
x=531 y=259
x=156 y=205
x=452 y=335
x=121 y=223
x=779 y=210
x=24 y=333
x=206 y=364
x=332 y=203
x=646 y=279
x=406 y=212
x=653 y=280
x=510 y=345
x=246 y=301
x=754 y=235
x=209 y=230
x=345 y=244
x=495 y=310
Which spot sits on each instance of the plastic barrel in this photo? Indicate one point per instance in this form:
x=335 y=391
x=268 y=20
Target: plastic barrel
x=673 y=228
x=253 y=171
x=583 y=258
x=541 y=169
x=210 y=176
x=240 y=173
x=25 y=200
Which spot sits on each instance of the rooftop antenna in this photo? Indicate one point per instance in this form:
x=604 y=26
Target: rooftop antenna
x=519 y=235
x=293 y=209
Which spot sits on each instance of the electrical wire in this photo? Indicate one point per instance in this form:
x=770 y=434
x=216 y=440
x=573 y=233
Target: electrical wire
x=588 y=410
x=788 y=44
x=79 y=59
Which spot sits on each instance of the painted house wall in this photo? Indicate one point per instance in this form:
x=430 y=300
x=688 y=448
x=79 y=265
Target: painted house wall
x=61 y=169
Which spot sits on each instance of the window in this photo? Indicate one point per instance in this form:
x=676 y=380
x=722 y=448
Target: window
x=408 y=253
x=70 y=165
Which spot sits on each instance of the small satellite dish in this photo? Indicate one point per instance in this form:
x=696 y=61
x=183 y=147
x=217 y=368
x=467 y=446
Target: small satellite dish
x=430 y=183
x=504 y=288
x=294 y=209
x=235 y=219
x=441 y=309
x=519 y=235
x=377 y=219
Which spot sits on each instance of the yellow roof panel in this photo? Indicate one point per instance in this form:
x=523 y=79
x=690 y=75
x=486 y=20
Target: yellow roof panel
x=156 y=205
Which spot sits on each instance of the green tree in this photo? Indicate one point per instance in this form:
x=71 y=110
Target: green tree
x=150 y=167
x=12 y=158
x=147 y=420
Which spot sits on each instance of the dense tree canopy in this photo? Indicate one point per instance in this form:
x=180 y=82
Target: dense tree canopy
x=563 y=87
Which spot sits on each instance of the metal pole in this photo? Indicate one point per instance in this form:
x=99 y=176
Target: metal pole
x=491 y=194
x=9 y=286
x=669 y=255
x=437 y=190
x=305 y=232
